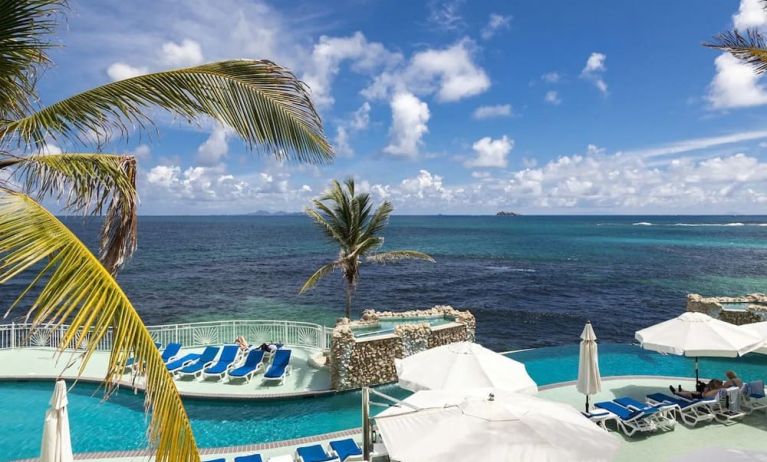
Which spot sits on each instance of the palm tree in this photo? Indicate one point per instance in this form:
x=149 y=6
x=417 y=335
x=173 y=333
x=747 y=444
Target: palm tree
x=349 y=220
x=262 y=102
x=749 y=47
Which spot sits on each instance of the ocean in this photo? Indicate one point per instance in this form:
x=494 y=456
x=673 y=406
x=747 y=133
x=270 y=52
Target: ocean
x=531 y=281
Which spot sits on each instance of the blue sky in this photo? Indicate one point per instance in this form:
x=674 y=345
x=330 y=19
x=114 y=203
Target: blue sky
x=451 y=106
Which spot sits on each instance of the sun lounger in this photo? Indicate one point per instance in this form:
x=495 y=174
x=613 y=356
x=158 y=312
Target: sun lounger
x=131 y=361
x=280 y=367
x=754 y=398
x=195 y=368
x=178 y=363
x=600 y=417
x=252 y=365
x=691 y=411
x=170 y=352
x=225 y=362
x=216 y=460
x=664 y=416
x=726 y=408
x=314 y=453
x=630 y=421
x=346 y=450
x=250 y=458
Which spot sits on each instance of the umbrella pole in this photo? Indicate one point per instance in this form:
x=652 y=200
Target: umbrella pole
x=587 y=403
x=366 y=439
x=696 y=371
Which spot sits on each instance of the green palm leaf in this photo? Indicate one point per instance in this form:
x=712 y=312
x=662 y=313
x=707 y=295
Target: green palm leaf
x=263 y=102
x=75 y=288
x=90 y=184
x=315 y=278
x=23 y=27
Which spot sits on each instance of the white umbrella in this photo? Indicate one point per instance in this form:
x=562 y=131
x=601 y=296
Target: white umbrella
x=487 y=425
x=589 y=380
x=57 y=444
x=462 y=366
x=760 y=329
x=696 y=334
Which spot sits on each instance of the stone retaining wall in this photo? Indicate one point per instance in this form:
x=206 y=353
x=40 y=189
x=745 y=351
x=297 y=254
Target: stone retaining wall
x=756 y=311
x=358 y=362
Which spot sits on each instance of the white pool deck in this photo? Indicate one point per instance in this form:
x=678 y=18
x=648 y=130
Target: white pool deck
x=42 y=363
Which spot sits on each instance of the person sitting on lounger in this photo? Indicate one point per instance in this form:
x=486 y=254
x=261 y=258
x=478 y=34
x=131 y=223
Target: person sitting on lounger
x=268 y=347
x=711 y=389
x=732 y=380
x=242 y=343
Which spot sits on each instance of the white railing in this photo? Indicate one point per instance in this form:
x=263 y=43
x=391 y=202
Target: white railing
x=194 y=334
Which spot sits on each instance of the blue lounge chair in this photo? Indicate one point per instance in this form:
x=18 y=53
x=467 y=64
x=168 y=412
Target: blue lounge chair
x=225 y=362
x=662 y=413
x=216 y=460
x=178 y=363
x=250 y=458
x=252 y=365
x=346 y=449
x=754 y=398
x=630 y=421
x=204 y=360
x=132 y=360
x=170 y=352
x=314 y=453
x=691 y=411
x=280 y=367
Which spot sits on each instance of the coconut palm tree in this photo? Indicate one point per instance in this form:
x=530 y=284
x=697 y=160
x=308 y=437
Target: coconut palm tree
x=348 y=219
x=259 y=100
x=748 y=46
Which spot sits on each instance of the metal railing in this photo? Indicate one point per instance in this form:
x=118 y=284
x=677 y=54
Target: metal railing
x=193 y=334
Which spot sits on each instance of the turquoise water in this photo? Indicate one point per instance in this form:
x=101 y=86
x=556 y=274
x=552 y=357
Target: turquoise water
x=118 y=424
x=389 y=325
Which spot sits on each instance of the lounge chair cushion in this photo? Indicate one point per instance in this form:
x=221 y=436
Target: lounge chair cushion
x=346 y=448
x=314 y=453
x=228 y=355
x=252 y=361
x=756 y=389
x=208 y=355
x=250 y=458
x=170 y=351
x=622 y=413
x=279 y=364
x=180 y=361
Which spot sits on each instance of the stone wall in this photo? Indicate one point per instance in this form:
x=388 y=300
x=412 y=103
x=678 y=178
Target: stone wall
x=756 y=310
x=358 y=362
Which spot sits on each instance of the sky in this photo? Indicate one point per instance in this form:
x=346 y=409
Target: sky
x=449 y=106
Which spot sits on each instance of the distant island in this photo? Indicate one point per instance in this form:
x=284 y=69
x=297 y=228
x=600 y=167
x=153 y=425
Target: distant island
x=506 y=214
x=268 y=213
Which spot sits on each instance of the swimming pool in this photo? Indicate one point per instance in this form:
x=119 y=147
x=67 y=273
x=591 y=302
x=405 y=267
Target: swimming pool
x=387 y=325
x=119 y=424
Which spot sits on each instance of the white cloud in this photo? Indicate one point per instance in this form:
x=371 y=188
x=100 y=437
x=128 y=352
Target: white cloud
x=486 y=112
x=552 y=97
x=186 y=53
x=122 y=71
x=490 y=153
x=453 y=67
x=696 y=144
x=410 y=116
x=213 y=149
x=445 y=14
x=361 y=117
x=358 y=121
x=49 y=148
x=495 y=24
x=750 y=14
x=330 y=52
x=141 y=152
x=341 y=142
x=735 y=84
x=551 y=77
x=594 y=71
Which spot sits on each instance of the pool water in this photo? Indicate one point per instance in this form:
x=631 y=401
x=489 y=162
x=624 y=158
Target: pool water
x=119 y=424
x=388 y=325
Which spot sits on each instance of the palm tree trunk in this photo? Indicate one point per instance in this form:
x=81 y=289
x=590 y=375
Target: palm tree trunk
x=349 y=293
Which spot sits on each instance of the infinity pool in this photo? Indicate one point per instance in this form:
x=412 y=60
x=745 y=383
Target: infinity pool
x=119 y=424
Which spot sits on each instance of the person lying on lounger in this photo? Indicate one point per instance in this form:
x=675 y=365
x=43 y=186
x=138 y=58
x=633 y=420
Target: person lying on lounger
x=269 y=347
x=242 y=343
x=711 y=389
x=732 y=380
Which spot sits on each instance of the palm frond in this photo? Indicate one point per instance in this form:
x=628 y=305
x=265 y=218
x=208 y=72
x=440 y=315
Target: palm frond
x=315 y=278
x=90 y=184
x=749 y=48
x=24 y=29
x=399 y=255
x=79 y=291
x=263 y=102
x=378 y=221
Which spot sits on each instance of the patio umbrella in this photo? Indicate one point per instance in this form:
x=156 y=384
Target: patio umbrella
x=760 y=329
x=57 y=444
x=490 y=425
x=696 y=334
x=461 y=366
x=589 y=380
